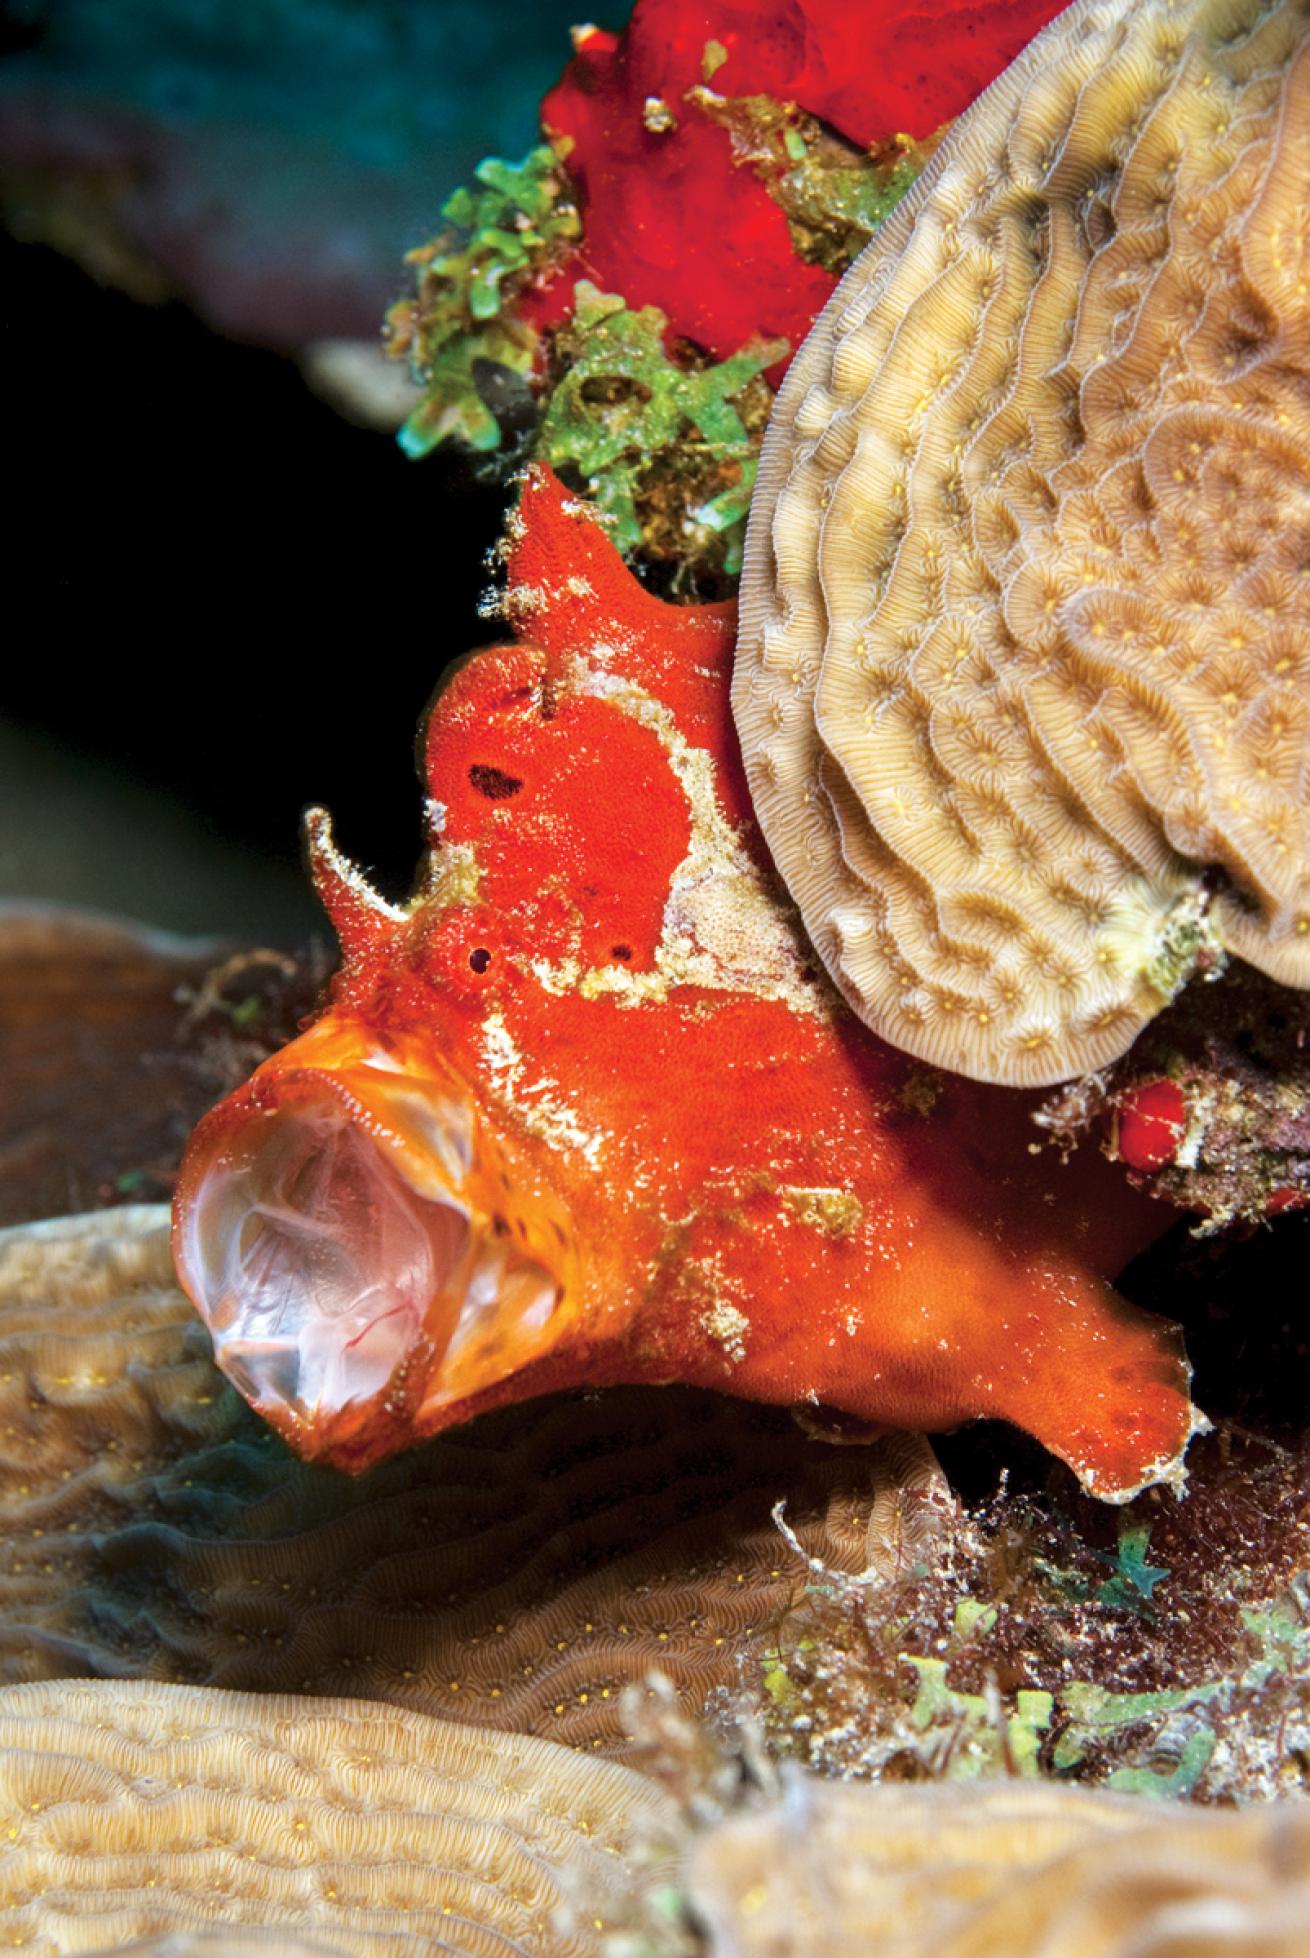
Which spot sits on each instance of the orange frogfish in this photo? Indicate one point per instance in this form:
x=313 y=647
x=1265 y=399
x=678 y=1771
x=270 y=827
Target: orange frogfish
x=587 y=1110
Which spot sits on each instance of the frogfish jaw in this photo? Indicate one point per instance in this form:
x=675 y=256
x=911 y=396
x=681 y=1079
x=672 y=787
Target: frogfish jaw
x=347 y=1229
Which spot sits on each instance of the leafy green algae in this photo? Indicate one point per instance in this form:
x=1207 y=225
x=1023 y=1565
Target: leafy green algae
x=1019 y=1646
x=1132 y=1580
x=833 y=195
x=975 y=1733
x=662 y=439
x=623 y=411
x=512 y=228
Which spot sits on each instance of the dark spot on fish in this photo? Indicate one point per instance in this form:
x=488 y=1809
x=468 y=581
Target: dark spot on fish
x=620 y=951
x=494 y=783
x=479 y=958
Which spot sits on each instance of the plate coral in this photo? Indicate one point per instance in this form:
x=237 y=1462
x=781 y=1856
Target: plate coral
x=1024 y=672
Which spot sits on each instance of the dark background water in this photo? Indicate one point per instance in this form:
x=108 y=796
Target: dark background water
x=223 y=600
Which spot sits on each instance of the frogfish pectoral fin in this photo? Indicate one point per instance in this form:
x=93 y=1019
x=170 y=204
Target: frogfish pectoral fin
x=341 y=1226
x=1106 y=1388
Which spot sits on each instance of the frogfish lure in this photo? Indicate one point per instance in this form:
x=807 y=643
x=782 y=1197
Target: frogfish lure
x=587 y=1110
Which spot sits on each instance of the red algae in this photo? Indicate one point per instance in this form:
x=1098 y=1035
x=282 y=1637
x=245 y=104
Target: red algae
x=621 y=303
x=671 y=217
x=1151 y=1122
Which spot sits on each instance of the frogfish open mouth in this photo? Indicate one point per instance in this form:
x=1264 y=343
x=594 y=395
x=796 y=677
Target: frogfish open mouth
x=587 y=1110
x=351 y=1238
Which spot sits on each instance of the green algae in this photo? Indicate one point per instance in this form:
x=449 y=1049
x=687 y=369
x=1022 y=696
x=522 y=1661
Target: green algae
x=1132 y=1580
x=1017 y=1644
x=1187 y=943
x=974 y=1733
x=626 y=420
x=662 y=438
x=509 y=230
x=1183 y=1728
x=833 y=195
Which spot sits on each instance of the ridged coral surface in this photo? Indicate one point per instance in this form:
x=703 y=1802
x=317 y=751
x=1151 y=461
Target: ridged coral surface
x=1000 y=1872
x=518 y=1574
x=88 y=1007
x=1024 y=671
x=135 y=1809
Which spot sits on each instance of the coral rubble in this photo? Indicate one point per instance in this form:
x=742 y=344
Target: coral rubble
x=1210 y=1107
x=1166 y=1655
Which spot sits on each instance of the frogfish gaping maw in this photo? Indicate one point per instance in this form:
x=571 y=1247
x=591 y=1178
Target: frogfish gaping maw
x=587 y=1110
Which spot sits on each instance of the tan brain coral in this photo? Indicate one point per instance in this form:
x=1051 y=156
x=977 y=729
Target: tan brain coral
x=1023 y=681
x=138 y=1809
x=518 y=1573
x=1006 y=1870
